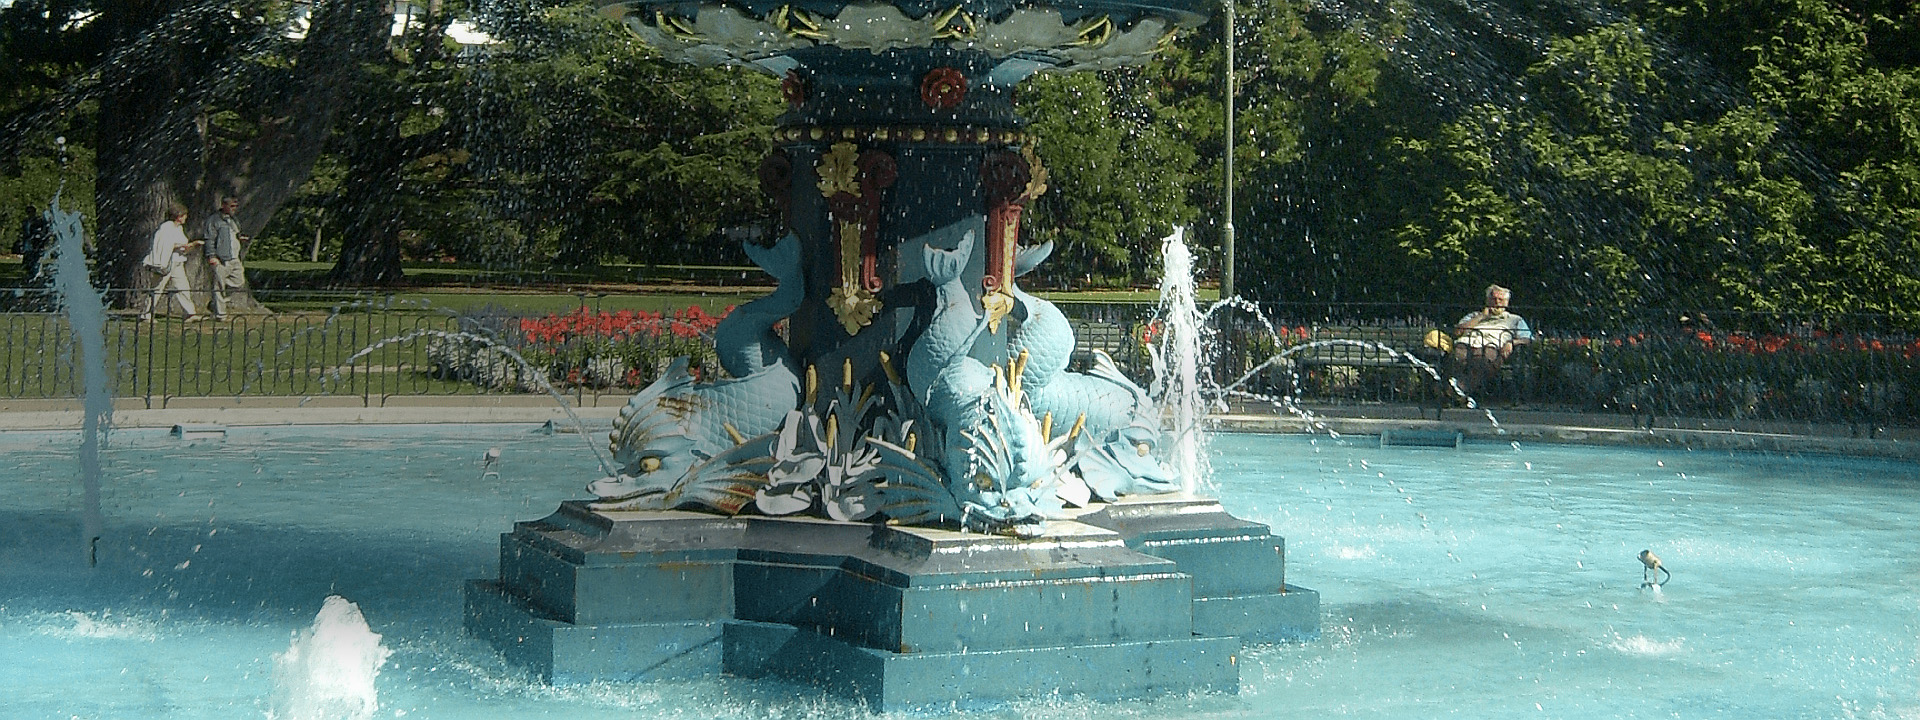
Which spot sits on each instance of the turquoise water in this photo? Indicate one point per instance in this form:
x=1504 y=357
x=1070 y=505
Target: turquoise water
x=1490 y=582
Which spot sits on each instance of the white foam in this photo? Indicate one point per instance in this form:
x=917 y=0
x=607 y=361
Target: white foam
x=1645 y=646
x=1363 y=552
x=328 y=672
x=76 y=624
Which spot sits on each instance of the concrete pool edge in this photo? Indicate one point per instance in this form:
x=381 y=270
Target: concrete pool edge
x=1523 y=426
x=1577 y=429
x=270 y=411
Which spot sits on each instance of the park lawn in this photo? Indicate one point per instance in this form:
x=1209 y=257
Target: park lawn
x=1150 y=296
x=276 y=273
x=466 y=289
x=484 y=302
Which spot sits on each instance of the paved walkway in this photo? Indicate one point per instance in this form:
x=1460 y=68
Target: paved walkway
x=1475 y=425
x=1588 y=428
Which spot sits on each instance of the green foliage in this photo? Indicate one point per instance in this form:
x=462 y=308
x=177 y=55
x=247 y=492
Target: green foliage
x=1742 y=155
x=32 y=185
x=572 y=142
x=1749 y=155
x=1118 y=175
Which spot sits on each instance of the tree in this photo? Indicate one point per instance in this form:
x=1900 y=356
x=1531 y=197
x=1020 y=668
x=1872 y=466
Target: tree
x=181 y=102
x=196 y=101
x=1730 y=155
x=565 y=141
x=1118 y=181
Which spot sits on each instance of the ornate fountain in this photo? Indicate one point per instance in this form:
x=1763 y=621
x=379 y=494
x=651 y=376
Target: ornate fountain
x=908 y=498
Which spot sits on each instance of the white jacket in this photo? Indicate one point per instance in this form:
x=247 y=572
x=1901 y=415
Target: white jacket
x=169 y=248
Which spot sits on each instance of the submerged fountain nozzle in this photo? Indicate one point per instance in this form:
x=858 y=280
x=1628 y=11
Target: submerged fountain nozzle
x=1652 y=569
x=1418 y=437
x=200 y=432
x=487 y=460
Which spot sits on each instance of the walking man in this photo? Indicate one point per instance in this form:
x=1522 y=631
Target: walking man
x=225 y=246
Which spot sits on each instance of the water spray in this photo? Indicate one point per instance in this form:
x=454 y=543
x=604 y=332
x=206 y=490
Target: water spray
x=86 y=314
x=1179 y=356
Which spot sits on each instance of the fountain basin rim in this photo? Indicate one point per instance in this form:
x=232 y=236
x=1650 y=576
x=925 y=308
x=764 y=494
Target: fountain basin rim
x=64 y=415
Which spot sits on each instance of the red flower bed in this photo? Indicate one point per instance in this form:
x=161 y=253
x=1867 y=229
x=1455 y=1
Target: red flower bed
x=627 y=348
x=692 y=322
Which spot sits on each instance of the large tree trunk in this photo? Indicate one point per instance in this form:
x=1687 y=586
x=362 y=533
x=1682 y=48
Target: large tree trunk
x=370 y=236
x=378 y=154
x=373 y=258
x=155 y=145
x=264 y=171
x=146 y=149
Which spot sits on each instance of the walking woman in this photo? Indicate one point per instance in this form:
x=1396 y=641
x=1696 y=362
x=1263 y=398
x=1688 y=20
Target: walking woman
x=167 y=261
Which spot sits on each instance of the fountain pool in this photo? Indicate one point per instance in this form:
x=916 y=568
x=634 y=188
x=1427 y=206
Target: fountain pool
x=1489 y=581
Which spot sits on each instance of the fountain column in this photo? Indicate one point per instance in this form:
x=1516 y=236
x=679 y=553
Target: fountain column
x=880 y=155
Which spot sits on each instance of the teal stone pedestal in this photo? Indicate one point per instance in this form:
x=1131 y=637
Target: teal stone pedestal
x=896 y=617
x=1239 y=567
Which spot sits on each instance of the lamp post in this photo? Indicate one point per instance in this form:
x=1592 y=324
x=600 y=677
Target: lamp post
x=1226 y=237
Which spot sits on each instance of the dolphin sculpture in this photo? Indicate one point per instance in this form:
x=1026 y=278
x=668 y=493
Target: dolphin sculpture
x=680 y=442
x=991 y=454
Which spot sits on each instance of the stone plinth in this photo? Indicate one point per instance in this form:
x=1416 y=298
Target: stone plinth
x=1239 y=567
x=896 y=617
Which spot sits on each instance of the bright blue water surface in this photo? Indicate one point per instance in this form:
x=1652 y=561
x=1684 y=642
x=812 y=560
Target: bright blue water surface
x=1492 y=581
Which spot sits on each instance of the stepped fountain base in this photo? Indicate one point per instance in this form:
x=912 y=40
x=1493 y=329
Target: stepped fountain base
x=1138 y=598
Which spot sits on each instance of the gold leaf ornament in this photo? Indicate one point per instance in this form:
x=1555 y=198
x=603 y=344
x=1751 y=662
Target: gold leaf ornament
x=1036 y=172
x=1094 y=33
x=853 y=305
x=998 y=305
x=955 y=24
x=796 y=23
x=676 y=27
x=840 y=170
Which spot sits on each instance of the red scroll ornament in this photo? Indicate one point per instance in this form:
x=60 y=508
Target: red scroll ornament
x=795 y=88
x=853 y=182
x=776 y=180
x=1005 y=177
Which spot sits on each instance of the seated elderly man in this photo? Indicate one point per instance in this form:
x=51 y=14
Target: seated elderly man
x=1485 y=338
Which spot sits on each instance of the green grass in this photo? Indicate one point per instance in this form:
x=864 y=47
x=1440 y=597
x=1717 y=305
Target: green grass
x=483 y=301
x=1121 y=296
x=611 y=287
x=288 y=274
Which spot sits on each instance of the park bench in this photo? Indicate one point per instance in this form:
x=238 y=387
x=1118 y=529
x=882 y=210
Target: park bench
x=1370 y=346
x=1112 y=338
x=1372 y=364
x=1363 y=362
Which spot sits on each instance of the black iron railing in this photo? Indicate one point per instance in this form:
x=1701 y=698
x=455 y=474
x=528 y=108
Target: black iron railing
x=1653 y=364
x=1857 y=369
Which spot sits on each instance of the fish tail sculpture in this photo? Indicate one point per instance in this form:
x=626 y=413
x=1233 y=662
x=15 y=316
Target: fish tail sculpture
x=681 y=442
x=745 y=340
x=1120 y=428
x=1044 y=333
x=990 y=448
x=954 y=328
